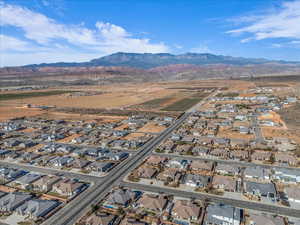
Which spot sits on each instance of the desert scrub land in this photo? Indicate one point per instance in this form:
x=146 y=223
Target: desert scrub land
x=291 y=116
x=22 y=95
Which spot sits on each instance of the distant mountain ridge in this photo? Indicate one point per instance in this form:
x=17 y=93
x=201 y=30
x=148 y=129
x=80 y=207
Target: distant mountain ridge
x=149 y=60
x=133 y=67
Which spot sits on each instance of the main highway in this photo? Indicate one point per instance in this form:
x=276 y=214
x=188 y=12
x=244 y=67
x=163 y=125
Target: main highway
x=69 y=214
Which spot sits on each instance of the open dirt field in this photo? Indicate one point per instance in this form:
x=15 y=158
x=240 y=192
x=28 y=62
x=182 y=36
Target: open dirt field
x=10 y=112
x=234 y=135
x=155 y=96
x=291 y=116
x=269 y=132
x=132 y=136
x=152 y=127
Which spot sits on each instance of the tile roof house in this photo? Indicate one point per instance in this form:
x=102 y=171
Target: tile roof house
x=293 y=194
x=155 y=160
x=169 y=175
x=45 y=183
x=220 y=153
x=120 y=197
x=155 y=203
x=8 y=174
x=130 y=221
x=227 y=169
x=100 y=219
x=220 y=214
x=239 y=154
x=181 y=149
x=13 y=200
x=199 y=165
x=186 y=210
x=200 y=151
x=25 y=182
x=37 y=208
x=266 y=190
x=177 y=163
x=225 y=183
x=261 y=155
x=287 y=175
x=68 y=187
x=102 y=167
x=196 y=180
x=257 y=173
x=285 y=158
x=146 y=172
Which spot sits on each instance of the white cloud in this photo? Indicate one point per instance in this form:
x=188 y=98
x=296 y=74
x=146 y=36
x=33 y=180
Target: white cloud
x=11 y=43
x=46 y=33
x=283 y=23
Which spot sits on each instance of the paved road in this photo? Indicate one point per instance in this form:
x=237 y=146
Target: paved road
x=83 y=177
x=79 y=206
x=257 y=130
x=226 y=161
x=280 y=210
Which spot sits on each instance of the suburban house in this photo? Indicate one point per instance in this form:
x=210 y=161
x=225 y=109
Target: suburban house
x=100 y=218
x=169 y=175
x=25 y=182
x=227 y=169
x=155 y=160
x=120 y=197
x=239 y=155
x=186 y=210
x=284 y=158
x=197 y=166
x=68 y=187
x=146 y=172
x=196 y=180
x=45 y=183
x=260 y=190
x=293 y=194
x=219 y=153
x=13 y=200
x=257 y=173
x=261 y=155
x=200 y=151
x=8 y=174
x=224 y=183
x=287 y=175
x=102 y=167
x=37 y=208
x=155 y=203
x=131 y=221
x=177 y=164
x=220 y=214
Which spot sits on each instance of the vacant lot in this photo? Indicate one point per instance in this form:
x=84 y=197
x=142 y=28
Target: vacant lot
x=10 y=112
x=182 y=104
x=269 y=132
x=291 y=116
x=22 y=95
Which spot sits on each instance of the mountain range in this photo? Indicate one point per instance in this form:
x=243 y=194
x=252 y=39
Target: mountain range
x=149 y=60
x=127 y=67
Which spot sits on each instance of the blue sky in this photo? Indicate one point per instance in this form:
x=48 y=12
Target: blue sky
x=36 y=31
